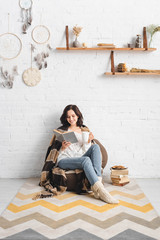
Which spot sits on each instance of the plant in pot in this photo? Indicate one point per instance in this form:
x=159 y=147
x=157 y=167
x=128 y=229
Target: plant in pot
x=76 y=32
x=152 y=29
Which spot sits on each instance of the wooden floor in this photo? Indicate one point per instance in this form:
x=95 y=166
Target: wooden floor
x=150 y=186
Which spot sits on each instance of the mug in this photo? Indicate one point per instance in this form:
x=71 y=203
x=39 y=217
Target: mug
x=85 y=137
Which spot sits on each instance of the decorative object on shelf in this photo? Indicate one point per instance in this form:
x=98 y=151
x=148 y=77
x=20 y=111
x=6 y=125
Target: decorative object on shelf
x=67 y=38
x=26 y=14
x=76 y=31
x=8 y=78
x=138 y=70
x=122 y=67
x=76 y=43
x=40 y=34
x=106 y=45
x=138 y=43
x=84 y=45
x=145 y=42
x=31 y=76
x=152 y=29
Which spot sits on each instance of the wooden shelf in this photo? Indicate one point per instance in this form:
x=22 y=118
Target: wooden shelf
x=109 y=49
x=112 y=50
x=130 y=73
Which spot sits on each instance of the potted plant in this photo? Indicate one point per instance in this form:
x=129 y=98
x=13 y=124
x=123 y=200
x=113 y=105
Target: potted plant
x=152 y=29
x=76 y=32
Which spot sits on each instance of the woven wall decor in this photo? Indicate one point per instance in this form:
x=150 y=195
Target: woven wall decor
x=31 y=76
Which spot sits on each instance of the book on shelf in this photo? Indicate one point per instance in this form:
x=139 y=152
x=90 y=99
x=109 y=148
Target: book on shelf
x=65 y=136
x=106 y=45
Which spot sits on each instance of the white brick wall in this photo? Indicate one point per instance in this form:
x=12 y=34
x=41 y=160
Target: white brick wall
x=123 y=112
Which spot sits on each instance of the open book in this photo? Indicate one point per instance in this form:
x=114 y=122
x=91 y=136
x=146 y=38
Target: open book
x=65 y=136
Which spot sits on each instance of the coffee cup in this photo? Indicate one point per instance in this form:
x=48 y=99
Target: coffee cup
x=85 y=137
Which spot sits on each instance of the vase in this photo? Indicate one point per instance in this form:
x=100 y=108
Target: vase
x=76 y=44
x=138 y=41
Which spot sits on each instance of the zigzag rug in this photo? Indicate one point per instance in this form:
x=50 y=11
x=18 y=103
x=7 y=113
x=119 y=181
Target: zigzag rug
x=71 y=216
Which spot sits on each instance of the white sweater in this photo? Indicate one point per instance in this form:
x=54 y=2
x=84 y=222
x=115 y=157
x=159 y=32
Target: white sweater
x=75 y=149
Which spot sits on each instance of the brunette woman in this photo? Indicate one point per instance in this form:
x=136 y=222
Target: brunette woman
x=84 y=155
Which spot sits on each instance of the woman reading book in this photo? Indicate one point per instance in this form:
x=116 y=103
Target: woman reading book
x=84 y=154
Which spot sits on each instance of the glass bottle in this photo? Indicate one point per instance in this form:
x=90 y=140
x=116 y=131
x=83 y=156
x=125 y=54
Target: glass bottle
x=138 y=41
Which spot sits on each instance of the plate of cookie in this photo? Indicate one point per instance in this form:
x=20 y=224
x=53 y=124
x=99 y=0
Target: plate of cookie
x=118 y=167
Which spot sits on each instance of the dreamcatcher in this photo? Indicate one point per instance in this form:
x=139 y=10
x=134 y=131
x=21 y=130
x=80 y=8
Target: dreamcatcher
x=31 y=76
x=26 y=14
x=41 y=35
x=10 y=48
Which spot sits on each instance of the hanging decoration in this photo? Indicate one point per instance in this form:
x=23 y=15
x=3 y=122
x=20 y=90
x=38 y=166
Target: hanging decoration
x=8 y=78
x=10 y=46
x=26 y=14
x=31 y=76
x=40 y=58
x=40 y=34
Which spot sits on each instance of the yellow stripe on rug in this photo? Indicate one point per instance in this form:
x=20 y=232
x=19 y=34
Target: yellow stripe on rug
x=135 y=197
x=13 y=208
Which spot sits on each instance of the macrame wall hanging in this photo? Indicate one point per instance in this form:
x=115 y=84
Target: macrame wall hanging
x=26 y=14
x=31 y=76
x=10 y=48
x=41 y=35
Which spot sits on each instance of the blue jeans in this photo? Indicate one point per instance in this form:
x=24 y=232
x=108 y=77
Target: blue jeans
x=90 y=162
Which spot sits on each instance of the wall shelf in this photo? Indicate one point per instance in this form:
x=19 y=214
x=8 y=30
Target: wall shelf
x=112 y=50
x=109 y=49
x=131 y=73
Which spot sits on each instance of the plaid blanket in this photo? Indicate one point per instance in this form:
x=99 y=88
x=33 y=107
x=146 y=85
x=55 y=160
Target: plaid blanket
x=54 y=179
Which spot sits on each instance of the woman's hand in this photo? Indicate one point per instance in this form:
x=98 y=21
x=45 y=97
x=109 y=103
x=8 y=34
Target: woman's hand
x=65 y=145
x=91 y=137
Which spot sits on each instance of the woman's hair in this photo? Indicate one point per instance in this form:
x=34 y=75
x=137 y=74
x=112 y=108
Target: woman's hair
x=63 y=118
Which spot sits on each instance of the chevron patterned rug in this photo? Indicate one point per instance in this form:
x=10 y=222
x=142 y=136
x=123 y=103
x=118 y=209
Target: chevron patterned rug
x=71 y=216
